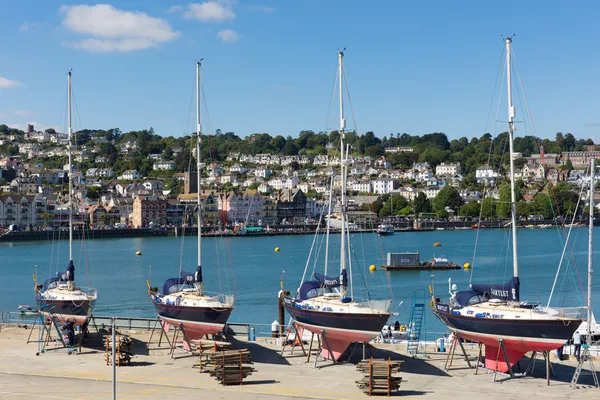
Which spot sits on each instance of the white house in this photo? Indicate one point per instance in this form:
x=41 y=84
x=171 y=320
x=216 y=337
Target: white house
x=408 y=192
x=262 y=172
x=424 y=175
x=304 y=186
x=418 y=167
x=382 y=162
x=384 y=185
x=431 y=191
x=362 y=187
x=130 y=175
x=447 y=169
x=237 y=168
x=485 y=174
x=163 y=165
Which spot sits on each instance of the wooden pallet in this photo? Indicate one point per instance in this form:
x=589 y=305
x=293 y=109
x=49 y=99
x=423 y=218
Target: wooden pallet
x=378 y=378
x=123 y=350
x=229 y=367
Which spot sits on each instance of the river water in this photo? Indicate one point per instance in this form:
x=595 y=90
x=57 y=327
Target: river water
x=250 y=268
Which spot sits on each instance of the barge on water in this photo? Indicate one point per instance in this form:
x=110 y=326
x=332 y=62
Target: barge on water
x=411 y=261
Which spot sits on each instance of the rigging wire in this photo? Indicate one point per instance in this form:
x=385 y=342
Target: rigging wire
x=499 y=79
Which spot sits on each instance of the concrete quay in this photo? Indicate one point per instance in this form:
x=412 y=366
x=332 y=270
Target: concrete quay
x=154 y=375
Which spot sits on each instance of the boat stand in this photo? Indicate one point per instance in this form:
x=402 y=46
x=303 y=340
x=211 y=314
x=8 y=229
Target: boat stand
x=586 y=356
x=549 y=369
x=450 y=358
x=174 y=340
x=502 y=349
x=162 y=333
x=323 y=336
x=297 y=339
x=37 y=317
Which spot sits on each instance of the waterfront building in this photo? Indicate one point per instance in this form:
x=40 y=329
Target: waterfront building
x=579 y=158
x=22 y=210
x=147 y=209
x=291 y=206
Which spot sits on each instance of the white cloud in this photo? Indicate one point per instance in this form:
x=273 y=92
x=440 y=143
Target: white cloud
x=114 y=30
x=210 y=11
x=6 y=83
x=25 y=27
x=227 y=35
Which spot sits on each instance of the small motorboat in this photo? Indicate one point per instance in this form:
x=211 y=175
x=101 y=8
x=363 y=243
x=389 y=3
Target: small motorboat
x=385 y=230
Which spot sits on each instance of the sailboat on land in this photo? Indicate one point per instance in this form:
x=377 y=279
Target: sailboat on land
x=492 y=314
x=325 y=305
x=58 y=296
x=182 y=301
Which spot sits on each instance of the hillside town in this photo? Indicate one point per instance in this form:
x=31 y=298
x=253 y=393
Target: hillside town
x=140 y=179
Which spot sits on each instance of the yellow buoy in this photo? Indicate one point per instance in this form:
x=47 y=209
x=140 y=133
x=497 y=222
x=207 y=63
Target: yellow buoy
x=437 y=244
x=138 y=253
x=276 y=249
x=373 y=268
x=466 y=265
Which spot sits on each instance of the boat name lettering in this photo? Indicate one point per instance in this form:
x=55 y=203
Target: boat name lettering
x=442 y=307
x=330 y=282
x=500 y=293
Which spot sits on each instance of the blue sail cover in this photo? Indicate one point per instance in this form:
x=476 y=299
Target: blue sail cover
x=173 y=285
x=52 y=282
x=327 y=281
x=507 y=292
x=321 y=281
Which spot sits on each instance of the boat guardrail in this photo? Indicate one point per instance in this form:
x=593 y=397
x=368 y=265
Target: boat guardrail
x=380 y=305
x=571 y=312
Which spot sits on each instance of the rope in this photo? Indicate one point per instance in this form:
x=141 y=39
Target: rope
x=499 y=78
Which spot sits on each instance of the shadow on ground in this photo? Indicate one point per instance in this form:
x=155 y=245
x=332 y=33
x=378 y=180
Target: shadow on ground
x=260 y=354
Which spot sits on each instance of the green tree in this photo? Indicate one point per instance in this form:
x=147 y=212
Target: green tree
x=167 y=154
x=393 y=206
x=421 y=204
x=503 y=205
x=523 y=209
x=290 y=149
x=470 y=209
x=447 y=197
x=488 y=208
x=568 y=165
x=541 y=206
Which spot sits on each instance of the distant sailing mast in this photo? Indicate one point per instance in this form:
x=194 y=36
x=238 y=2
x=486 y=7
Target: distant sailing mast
x=492 y=313
x=182 y=301
x=58 y=296
x=323 y=305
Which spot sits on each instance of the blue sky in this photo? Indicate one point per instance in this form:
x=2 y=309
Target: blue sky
x=414 y=67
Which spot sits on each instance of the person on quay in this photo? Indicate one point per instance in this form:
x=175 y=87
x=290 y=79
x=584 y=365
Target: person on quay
x=577 y=344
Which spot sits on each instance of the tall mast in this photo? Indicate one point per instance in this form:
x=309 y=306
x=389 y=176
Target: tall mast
x=70 y=131
x=328 y=225
x=511 y=128
x=198 y=167
x=590 y=249
x=343 y=172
